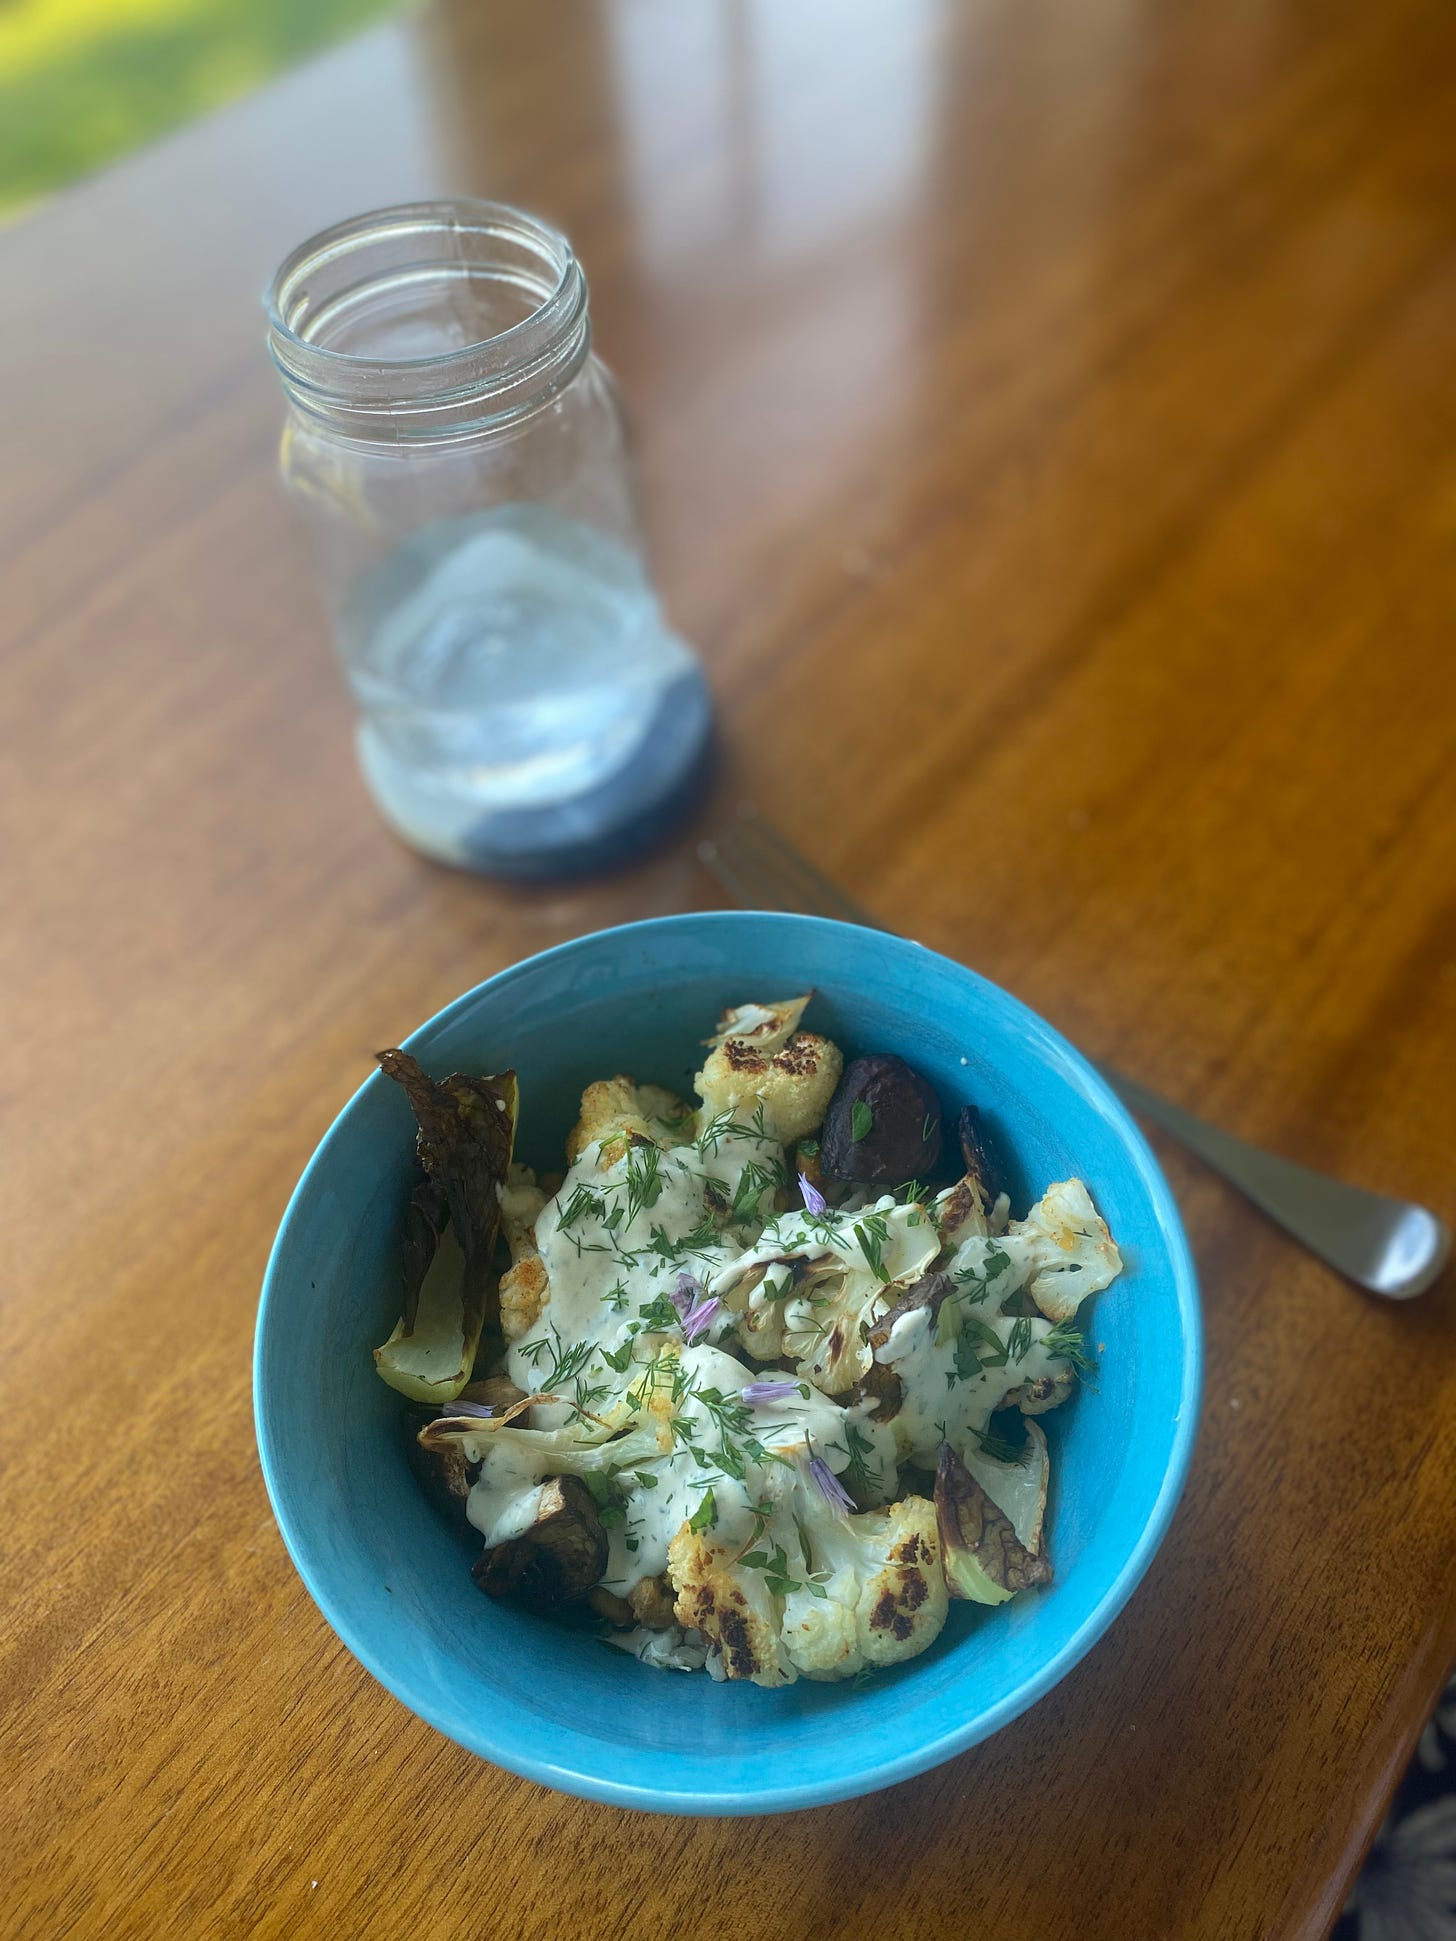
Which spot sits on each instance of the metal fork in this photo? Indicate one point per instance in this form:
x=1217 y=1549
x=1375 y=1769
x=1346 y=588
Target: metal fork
x=1392 y=1247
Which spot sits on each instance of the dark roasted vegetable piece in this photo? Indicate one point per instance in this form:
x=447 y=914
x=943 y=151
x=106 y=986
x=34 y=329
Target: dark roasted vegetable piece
x=1046 y=1392
x=466 y=1133
x=883 y=1124
x=883 y=1387
x=805 y=1160
x=440 y=1469
x=651 y=1602
x=979 y=1156
x=983 y=1561
x=616 y=1610
x=558 y=1559
x=805 y=1163
x=428 y=1216
x=495 y=1391
x=929 y=1291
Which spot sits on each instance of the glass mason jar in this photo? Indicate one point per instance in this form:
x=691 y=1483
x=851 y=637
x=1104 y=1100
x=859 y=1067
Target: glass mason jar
x=459 y=458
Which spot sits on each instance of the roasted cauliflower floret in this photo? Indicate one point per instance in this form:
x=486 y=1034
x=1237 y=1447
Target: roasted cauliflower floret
x=960 y=1212
x=731 y=1606
x=1046 y=1392
x=903 y=1605
x=758 y=1319
x=524 y=1292
x=521 y=1201
x=883 y=1588
x=822 y=1332
x=828 y=1288
x=794 y=1084
x=1064 y=1244
x=766 y=1026
x=614 y=1110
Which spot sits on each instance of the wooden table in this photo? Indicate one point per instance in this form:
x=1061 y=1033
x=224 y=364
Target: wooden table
x=1052 y=406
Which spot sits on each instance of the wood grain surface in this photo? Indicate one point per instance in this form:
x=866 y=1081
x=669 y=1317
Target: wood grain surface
x=1048 y=433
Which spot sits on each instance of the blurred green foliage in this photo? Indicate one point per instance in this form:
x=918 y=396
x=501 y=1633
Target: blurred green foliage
x=83 y=81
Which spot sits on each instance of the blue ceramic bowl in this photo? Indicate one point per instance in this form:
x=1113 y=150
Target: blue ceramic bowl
x=392 y=1576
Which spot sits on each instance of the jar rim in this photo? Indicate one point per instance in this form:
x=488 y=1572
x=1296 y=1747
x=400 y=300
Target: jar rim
x=510 y=370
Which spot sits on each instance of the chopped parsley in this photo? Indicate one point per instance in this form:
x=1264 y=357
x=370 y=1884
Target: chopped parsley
x=704 y=1241
x=754 y=1181
x=975 y=1283
x=657 y=1315
x=609 y=1496
x=706 y=1514
x=737 y=1427
x=977 y=1346
x=774 y=1564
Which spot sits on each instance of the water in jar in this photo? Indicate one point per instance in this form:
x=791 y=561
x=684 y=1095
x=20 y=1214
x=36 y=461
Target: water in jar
x=523 y=707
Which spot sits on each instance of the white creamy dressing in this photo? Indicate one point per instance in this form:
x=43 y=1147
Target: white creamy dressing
x=940 y=1405
x=941 y=1401
x=787 y=1427
x=610 y=1266
x=505 y=1497
x=615 y=1243
x=909 y=1245
x=605 y=1279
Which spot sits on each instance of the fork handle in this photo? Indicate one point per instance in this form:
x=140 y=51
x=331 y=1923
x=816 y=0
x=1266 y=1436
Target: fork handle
x=1390 y=1246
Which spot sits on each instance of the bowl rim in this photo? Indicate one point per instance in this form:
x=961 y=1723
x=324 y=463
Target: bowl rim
x=874 y=1773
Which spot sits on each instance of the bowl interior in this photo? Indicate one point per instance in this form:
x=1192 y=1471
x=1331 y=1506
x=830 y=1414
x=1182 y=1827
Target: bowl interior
x=392 y=1575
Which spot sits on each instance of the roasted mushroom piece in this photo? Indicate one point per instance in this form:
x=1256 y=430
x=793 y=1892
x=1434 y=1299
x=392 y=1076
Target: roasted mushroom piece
x=496 y=1392
x=439 y=1468
x=607 y=1604
x=651 y=1602
x=558 y=1559
x=883 y=1124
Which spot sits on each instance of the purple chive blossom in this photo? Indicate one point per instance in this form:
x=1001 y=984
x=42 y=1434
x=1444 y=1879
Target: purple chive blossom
x=755 y=1392
x=814 y=1200
x=697 y=1321
x=687 y=1294
x=467 y=1408
x=829 y=1486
